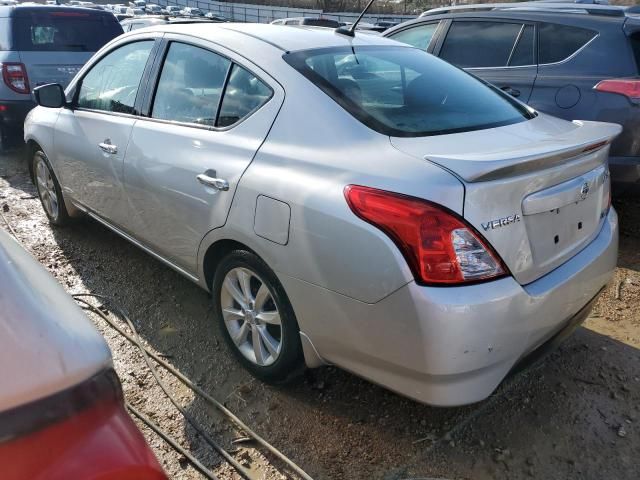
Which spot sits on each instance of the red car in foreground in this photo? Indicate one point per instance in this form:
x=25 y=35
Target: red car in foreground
x=62 y=413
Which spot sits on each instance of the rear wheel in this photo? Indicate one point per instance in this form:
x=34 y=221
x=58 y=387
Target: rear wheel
x=49 y=190
x=255 y=317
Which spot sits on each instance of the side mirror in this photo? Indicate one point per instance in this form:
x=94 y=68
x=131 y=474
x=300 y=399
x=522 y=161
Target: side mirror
x=50 y=96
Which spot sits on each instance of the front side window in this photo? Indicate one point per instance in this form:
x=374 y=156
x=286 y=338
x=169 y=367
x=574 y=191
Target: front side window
x=523 y=54
x=244 y=94
x=112 y=84
x=480 y=44
x=190 y=85
x=558 y=42
x=401 y=91
x=419 y=37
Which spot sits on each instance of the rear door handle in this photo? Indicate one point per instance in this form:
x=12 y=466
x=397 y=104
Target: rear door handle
x=108 y=147
x=511 y=91
x=217 y=183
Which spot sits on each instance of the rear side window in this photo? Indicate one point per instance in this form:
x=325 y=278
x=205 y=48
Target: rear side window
x=558 y=42
x=64 y=31
x=480 y=44
x=112 y=84
x=419 y=37
x=406 y=92
x=199 y=86
x=190 y=85
x=244 y=94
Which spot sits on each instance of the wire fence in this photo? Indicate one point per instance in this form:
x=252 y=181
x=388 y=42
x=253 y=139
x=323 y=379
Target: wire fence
x=243 y=12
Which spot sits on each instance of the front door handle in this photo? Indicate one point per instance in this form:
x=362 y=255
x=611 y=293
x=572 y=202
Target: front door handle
x=217 y=183
x=108 y=147
x=511 y=91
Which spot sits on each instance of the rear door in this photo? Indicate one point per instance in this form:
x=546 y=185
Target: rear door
x=209 y=113
x=501 y=52
x=54 y=43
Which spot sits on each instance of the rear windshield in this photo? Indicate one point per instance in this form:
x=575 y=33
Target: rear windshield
x=406 y=92
x=635 y=45
x=63 y=31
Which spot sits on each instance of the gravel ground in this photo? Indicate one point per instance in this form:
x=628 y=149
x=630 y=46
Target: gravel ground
x=576 y=416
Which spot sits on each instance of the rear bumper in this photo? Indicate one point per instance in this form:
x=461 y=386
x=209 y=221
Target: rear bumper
x=13 y=113
x=453 y=346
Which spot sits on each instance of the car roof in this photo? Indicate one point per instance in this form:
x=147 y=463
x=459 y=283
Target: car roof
x=285 y=38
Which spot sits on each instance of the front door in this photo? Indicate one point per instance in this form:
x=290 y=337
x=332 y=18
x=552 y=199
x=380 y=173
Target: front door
x=208 y=118
x=92 y=136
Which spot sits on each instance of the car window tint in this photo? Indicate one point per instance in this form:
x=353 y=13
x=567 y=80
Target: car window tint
x=523 y=53
x=190 y=85
x=244 y=94
x=419 y=36
x=558 y=42
x=405 y=92
x=112 y=83
x=480 y=44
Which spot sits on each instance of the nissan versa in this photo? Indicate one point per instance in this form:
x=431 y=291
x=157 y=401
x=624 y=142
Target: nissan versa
x=352 y=201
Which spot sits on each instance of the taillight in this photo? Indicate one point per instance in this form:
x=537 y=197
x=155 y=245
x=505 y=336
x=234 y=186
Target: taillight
x=623 y=86
x=15 y=77
x=439 y=246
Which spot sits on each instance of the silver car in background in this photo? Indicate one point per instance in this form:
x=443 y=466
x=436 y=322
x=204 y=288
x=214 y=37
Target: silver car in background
x=346 y=200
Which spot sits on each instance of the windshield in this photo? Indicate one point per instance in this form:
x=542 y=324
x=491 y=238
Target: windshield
x=402 y=91
x=64 y=31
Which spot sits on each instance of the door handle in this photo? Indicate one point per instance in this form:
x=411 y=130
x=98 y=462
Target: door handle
x=107 y=147
x=511 y=91
x=217 y=183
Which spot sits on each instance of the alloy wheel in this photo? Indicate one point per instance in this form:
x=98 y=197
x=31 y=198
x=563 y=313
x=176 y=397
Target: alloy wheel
x=46 y=188
x=251 y=316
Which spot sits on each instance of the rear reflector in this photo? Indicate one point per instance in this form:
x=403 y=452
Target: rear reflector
x=15 y=77
x=623 y=86
x=439 y=246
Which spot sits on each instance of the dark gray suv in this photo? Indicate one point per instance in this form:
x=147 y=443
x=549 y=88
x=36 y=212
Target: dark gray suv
x=44 y=44
x=573 y=61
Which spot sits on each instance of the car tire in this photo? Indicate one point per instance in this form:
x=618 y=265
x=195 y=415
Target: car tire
x=49 y=190
x=251 y=306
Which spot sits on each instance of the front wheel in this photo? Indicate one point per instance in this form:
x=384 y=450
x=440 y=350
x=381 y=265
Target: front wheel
x=255 y=317
x=49 y=190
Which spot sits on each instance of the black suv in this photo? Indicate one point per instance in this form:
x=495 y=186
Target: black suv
x=572 y=61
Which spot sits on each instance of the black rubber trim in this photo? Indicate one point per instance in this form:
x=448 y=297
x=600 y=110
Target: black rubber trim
x=102 y=387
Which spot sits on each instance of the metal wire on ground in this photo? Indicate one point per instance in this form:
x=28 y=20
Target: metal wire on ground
x=175 y=445
x=135 y=339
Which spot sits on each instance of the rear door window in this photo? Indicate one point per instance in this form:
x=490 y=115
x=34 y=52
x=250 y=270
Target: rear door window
x=558 y=42
x=419 y=37
x=190 y=85
x=112 y=84
x=523 y=54
x=480 y=44
x=64 y=31
x=244 y=94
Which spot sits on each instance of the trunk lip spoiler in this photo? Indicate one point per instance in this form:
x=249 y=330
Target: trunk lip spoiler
x=510 y=167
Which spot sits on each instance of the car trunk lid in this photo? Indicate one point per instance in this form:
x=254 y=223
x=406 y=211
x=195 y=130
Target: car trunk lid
x=536 y=190
x=53 y=67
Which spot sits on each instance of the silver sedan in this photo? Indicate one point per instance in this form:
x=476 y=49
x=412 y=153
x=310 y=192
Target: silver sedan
x=347 y=201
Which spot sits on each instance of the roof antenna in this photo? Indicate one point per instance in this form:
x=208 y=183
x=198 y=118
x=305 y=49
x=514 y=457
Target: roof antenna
x=349 y=32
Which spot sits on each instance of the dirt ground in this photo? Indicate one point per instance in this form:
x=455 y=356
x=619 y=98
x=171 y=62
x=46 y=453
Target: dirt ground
x=577 y=416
